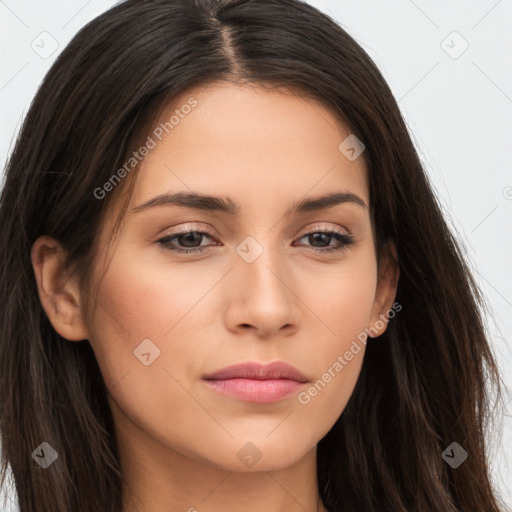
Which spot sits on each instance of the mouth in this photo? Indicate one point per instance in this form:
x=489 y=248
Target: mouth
x=254 y=382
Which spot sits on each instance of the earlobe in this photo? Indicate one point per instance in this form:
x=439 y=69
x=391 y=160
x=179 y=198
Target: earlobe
x=58 y=292
x=385 y=294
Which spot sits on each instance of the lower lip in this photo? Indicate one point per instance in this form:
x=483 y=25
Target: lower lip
x=252 y=390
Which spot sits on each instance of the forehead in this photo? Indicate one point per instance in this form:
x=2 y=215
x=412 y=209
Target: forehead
x=256 y=144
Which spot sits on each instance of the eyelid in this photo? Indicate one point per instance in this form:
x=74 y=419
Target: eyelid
x=325 y=227
x=191 y=226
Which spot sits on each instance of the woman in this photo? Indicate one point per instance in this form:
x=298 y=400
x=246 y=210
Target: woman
x=324 y=350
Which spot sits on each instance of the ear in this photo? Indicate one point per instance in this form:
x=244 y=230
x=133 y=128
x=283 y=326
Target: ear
x=387 y=283
x=59 y=294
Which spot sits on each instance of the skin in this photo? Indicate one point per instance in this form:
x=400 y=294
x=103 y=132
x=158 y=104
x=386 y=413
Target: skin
x=264 y=149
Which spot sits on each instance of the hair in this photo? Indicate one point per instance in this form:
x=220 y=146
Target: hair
x=423 y=384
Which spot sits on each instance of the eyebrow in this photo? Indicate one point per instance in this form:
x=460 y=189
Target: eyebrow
x=228 y=206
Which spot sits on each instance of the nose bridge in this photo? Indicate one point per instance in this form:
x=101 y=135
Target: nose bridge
x=265 y=299
x=260 y=262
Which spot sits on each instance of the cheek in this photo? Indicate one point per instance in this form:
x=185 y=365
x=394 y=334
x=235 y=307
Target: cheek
x=141 y=298
x=134 y=303
x=343 y=304
x=140 y=309
x=342 y=297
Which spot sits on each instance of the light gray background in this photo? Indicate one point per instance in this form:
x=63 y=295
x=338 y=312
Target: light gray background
x=458 y=106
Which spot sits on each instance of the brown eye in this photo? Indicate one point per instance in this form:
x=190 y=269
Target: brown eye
x=187 y=241
x=322 y=237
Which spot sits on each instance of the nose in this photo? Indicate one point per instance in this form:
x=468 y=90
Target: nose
x=261 y=295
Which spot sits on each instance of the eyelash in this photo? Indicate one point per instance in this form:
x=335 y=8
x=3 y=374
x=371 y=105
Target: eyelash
x=343 y=238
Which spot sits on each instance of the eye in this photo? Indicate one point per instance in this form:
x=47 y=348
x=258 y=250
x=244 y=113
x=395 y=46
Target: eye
x=186 y=236
x=187 y=240
x=321 y=236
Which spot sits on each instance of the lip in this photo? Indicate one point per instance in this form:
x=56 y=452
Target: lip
x=255 y=382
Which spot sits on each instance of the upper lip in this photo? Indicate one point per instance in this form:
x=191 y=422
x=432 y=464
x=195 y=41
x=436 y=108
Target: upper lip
x=258 y=371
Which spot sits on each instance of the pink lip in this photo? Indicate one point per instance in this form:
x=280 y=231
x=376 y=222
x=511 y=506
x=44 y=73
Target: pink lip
x=254 y=382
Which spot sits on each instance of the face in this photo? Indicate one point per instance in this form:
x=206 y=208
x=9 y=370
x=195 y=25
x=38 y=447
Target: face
x=259 y=282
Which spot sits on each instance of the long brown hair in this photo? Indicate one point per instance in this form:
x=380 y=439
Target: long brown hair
x=424 y=382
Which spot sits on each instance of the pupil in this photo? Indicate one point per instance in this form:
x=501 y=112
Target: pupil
x=189 y=236
x=318 y=236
